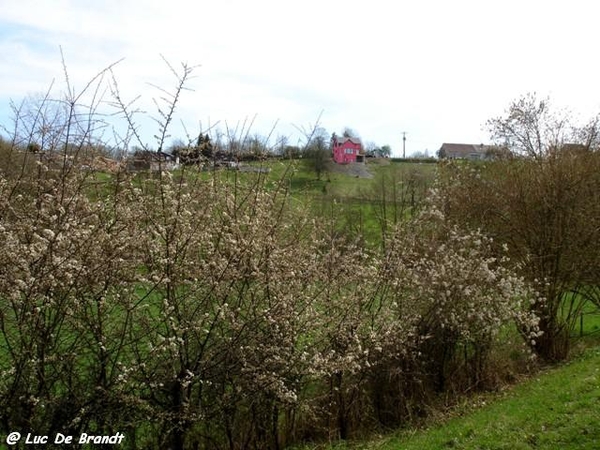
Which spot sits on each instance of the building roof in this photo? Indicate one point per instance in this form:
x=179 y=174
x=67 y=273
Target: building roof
x=463 y=149
x=342 y=139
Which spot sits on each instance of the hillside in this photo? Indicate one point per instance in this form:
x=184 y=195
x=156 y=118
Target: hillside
x=557 y=409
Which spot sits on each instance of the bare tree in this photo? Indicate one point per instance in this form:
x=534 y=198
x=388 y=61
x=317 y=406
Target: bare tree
x=317 y=152
x=531 y=127
x=543 y=207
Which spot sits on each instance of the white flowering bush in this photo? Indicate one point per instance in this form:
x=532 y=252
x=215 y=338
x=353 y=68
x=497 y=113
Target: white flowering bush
x=467 y=296
x=215 y=313
x=544 y=214
x=66 y=266
x=192 y=310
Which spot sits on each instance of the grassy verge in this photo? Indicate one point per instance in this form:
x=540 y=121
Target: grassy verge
x=558 y=409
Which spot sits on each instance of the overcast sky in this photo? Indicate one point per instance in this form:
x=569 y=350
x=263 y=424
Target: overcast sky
x=435 y=69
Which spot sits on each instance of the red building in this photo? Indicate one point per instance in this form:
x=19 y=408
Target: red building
x=346 y=150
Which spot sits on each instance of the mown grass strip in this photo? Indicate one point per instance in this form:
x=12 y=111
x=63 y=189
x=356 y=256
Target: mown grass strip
x=558 y=409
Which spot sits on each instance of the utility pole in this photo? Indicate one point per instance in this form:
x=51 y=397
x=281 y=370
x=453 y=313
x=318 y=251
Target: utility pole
x=404 y=145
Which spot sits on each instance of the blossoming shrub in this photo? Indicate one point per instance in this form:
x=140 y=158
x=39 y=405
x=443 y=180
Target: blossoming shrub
x=190 y=311
x=66 y=265
x=194 y=310
x=227 y=334
x=546 y=212
x=459 y=301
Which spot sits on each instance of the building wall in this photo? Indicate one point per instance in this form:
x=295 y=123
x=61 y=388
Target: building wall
x=346 y=152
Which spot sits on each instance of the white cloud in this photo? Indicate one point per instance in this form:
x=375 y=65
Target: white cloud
x=435 y=69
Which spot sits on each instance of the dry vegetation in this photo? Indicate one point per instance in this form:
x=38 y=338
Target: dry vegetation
x=191 y=312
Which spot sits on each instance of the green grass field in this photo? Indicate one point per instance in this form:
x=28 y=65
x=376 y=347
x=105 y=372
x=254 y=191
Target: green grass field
x=559 y=408
x=363 y=205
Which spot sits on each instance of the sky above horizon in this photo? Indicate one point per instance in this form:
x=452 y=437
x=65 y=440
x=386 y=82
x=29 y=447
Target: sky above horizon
x=434 y=69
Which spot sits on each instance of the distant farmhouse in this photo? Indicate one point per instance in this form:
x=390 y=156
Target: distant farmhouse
x=467 y=151
x=347 y=150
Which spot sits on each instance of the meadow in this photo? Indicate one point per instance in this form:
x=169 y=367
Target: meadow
x=266 y=309
x=555 y=408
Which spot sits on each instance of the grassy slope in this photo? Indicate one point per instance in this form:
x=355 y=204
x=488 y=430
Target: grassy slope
x=335 y=182
x=354 y=202
x=558 y=409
